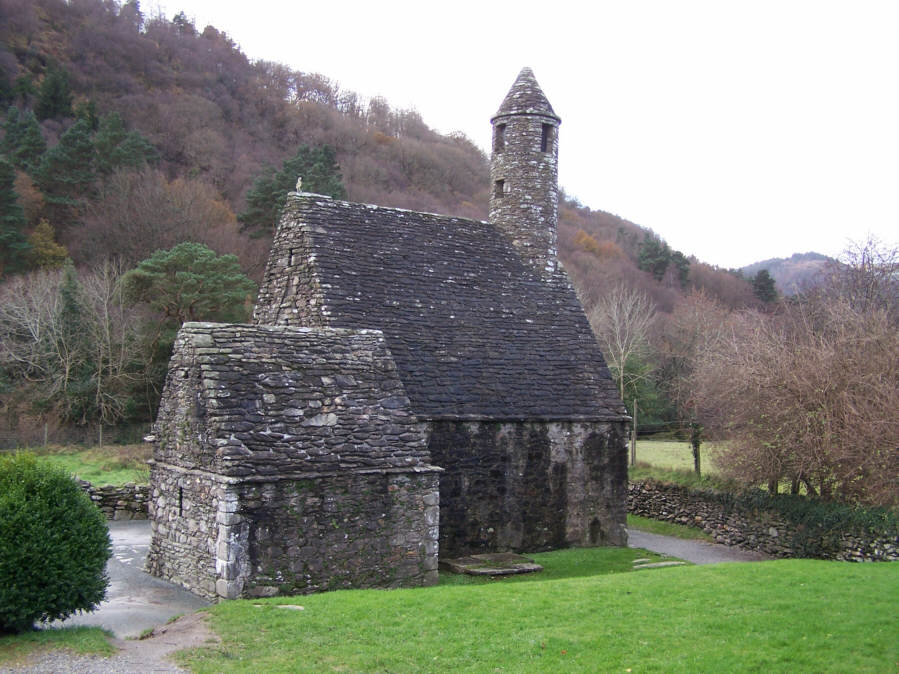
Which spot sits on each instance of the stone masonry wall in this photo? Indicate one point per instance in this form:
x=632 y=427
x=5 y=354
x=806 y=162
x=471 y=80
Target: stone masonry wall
x=125 y=502
x=291 y=292
x=356 y=530
x=527 y=208
x=184 y=520
x=764 y=531
x=528 y=486
x=229 y=538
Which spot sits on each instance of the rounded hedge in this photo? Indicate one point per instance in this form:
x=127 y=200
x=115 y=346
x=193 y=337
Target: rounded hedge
x=54 y=545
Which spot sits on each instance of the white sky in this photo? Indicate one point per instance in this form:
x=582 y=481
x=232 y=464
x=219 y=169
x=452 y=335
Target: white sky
x=738 y=131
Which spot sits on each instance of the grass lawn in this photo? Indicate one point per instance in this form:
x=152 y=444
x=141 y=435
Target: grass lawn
x=674 y=455
x=559 y=564
x=790 y=615
x=110 y=464
x=15 y=648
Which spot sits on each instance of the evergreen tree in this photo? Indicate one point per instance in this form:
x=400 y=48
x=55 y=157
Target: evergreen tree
x=118 y=148
x=318 y=168
x=6 y=90
x=54 y=99
x=88 y=112
x=66 y=174
x=22 y=142
x=763 y=286
x=190 y=283
x=45 y=252
x=72 y=343
x=23 y=88
x=13 y=244
x=682 y=265
x=654 y=256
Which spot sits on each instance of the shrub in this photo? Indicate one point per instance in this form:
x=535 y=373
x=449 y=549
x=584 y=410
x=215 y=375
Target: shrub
x=54 y=545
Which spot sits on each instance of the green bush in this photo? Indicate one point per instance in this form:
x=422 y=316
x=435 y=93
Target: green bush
x=54 y=545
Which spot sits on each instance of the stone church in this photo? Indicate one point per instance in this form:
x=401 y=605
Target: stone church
x=411 y=383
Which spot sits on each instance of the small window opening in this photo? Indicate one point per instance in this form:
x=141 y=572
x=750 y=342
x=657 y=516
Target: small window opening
x=499 y=188
x=499 y=138
x=180 y=501
x=546 y=138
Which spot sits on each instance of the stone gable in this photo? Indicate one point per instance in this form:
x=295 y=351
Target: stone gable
x=475 y=332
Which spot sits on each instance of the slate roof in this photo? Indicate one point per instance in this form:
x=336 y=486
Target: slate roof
x=262 y=400
x=475 y=333
x=525 y=98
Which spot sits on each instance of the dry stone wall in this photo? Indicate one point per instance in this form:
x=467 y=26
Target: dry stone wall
x=125 y=502
x=762 y=530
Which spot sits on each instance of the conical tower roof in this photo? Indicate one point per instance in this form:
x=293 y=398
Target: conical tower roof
x=526 y=98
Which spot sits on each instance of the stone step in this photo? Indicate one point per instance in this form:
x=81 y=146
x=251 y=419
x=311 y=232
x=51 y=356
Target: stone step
x=657 y=565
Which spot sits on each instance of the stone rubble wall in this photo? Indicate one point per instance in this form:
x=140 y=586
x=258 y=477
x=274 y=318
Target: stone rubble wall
x=125 y=502
x=528 y=486
x=183 y=517
x=373 y=529
x=763 y=531
x=230 y=538
x=244 y=400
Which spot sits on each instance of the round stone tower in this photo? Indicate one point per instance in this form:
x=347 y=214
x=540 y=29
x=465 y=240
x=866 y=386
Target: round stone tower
x=524 y=200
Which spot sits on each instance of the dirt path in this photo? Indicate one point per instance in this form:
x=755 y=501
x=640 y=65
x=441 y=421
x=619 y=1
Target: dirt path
x=135 y=655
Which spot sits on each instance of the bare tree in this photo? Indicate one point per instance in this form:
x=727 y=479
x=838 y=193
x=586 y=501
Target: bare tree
x=694 y=327
x=621 y=321
x=810 y=395
x=42 y=356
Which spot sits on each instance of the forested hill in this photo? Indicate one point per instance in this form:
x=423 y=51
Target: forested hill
x=198 y=122
x=793 y=273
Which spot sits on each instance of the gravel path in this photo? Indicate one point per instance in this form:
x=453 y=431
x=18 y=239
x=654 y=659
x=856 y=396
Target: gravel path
x=697 y=552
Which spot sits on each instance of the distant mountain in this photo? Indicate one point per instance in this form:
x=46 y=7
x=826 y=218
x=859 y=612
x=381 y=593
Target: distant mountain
x=791 y=273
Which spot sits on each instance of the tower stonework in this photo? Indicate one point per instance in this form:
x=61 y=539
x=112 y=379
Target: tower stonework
x=524 y=197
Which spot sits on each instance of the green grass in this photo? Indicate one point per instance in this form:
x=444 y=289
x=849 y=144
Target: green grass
x=672 y=461
x=559 y=564
x=16 y=648
x=110 y=464
x=780 y=616
x=675 y=455
x=666 y=528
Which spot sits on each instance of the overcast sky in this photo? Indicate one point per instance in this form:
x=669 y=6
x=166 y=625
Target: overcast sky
x=738 y=131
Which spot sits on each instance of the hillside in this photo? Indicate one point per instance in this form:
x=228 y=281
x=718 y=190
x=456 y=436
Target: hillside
x=791 y=274
x=218 y=119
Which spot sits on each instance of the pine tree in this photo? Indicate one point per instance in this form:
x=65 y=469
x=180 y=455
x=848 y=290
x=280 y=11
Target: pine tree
x=13 y=244
x=54 y=99
x=763 y=286
x=87 y=110
x=66 y=174
x=72 y=344
x=6 y=90
x=118 y=148
x=190 y=283
x=654 y=256
x=45 y=252
x=317 y=167
x=22 y=143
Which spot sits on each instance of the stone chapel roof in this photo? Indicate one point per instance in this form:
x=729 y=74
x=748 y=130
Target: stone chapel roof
x=525 y=97
x=266 y=400
x=474 y=331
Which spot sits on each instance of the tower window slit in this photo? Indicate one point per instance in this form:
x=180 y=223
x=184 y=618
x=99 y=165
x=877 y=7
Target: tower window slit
x=499 y=138
x=546 y=138
x=499 y=188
